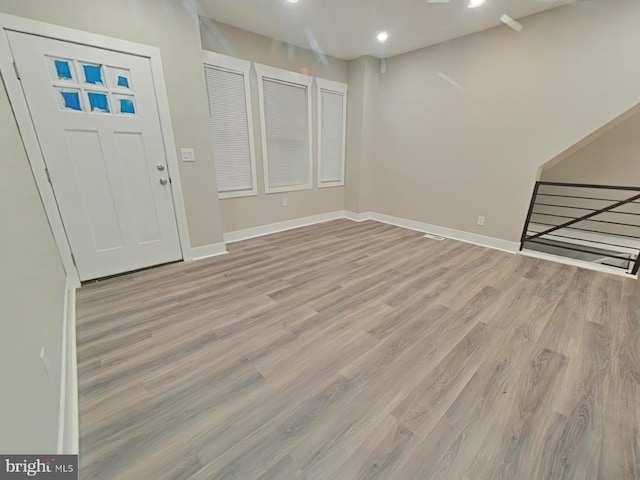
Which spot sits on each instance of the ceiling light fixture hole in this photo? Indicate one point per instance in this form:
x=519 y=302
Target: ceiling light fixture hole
x=475 y=3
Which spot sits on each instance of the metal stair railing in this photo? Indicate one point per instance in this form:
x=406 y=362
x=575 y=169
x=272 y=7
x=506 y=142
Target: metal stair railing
x=583 y=221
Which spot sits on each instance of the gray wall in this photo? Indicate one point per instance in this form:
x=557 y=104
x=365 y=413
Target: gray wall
x=245 y=212
x=32 y=284
x=32 y=292
x=172 y=26
x=444 y=154
x=418 y=147
x=363 y=77
x=611 y=159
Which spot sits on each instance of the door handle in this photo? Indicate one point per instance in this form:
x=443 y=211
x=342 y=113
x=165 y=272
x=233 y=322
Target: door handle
x=163 y=181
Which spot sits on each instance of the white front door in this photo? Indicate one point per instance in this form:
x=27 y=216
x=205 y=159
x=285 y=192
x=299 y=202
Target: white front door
x=96 y=118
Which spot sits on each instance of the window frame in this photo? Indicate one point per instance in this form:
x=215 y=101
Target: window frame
x=340 y=88
x=238 y=66
x=280 y=75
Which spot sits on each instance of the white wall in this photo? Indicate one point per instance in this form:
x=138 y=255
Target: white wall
x=247 y=212
x=32 y=292
x=172 y=26
x=444 y=154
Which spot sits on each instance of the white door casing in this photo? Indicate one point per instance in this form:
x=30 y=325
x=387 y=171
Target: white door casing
x=96 y=117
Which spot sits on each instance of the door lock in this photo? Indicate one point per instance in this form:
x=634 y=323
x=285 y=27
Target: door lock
x=161 y=167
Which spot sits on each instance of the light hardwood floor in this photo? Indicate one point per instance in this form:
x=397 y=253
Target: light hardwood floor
x=360 y=351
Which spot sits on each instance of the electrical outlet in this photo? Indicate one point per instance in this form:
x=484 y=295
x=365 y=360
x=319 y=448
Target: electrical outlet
x=188 y=154
x=480 y=220
x=285 y=202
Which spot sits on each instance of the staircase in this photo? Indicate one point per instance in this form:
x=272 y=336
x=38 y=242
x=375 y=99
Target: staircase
x=594 y=226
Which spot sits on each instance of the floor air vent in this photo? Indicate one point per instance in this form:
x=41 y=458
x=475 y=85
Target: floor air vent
x=433 y=237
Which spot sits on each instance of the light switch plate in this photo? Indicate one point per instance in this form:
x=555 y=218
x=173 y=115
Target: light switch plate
x=188 y=154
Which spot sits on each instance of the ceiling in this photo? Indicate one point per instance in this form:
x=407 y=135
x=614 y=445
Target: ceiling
x=347 y=28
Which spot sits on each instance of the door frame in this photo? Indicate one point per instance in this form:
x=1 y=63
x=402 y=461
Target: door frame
x=30 y=140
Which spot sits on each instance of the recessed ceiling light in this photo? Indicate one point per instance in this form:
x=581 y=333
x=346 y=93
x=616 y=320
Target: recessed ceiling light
x=383 y=37
x=475 y=3
x=292 y=1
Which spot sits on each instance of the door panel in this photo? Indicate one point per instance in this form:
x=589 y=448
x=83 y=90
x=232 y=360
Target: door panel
x=95 y=194
x=97 y=122
x=133 y=157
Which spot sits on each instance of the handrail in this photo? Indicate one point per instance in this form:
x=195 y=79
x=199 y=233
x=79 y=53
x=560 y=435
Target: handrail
x=614 y=238
x=636 y=266
x=586 y=185
x=586 y=217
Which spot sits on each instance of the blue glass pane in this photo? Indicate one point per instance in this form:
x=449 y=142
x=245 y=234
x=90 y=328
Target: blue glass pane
x=93 y=74
x=99 y=102
x=123 y=82
x=63 y=70
x=126 y=106
x=71 y=100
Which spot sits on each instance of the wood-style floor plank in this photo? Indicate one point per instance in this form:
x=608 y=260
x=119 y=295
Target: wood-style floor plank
x=351 y=350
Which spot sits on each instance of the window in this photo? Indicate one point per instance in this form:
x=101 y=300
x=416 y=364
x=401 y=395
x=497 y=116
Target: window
x=285 y=118
x=97 y=89
x=332 y=117
x=230 y=126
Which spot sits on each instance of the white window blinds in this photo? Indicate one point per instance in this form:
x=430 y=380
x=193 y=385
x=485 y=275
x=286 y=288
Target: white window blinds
x=285 y=108
x=331 y=127
x=230 y=129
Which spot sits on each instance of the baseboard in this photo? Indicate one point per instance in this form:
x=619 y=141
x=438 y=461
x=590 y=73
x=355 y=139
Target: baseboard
x=68 y=425
x=262 y=230
x=357 y=217
x=467 y=237
x=578 y=263
x=208 y=251
x=489 y=242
